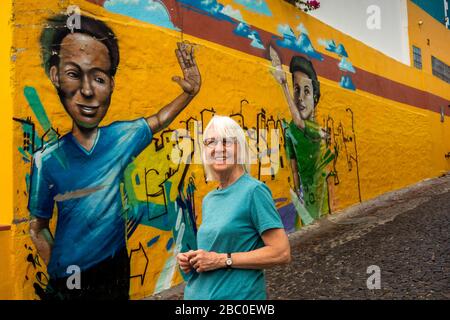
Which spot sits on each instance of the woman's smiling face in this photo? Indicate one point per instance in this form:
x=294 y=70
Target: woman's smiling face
x=221 y=153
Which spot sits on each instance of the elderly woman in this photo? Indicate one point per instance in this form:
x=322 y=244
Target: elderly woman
x=241 y=232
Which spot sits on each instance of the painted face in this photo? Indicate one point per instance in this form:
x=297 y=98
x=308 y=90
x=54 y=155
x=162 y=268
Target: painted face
x=83 y=79
x=304 y=95
x=221 y=153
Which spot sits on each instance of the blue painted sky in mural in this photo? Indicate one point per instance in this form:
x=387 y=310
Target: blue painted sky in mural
x=285 y=29
x=302 y=29
x=210 y=7
x=347 y=83
x=233 y=13
x=302 y=44
x=227 y=13
x=258 y=6
x=330 y=45
x=346 y=65
x=244 y=30
x=151 y=11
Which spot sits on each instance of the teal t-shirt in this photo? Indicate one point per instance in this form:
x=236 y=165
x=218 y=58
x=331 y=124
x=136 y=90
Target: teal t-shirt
x=233 y=220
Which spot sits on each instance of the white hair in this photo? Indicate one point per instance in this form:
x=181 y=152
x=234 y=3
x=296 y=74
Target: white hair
x=226 y=127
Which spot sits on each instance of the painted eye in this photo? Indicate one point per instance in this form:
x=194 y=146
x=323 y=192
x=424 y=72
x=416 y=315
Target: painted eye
x=100 y=80
x=72 y=74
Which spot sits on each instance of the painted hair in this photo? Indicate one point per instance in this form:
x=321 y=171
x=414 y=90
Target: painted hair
x=56 y=30
x=304 y=65
x=225 y=127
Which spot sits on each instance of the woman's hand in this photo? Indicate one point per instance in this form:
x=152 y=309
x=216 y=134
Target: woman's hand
x=202 y=260
x=183 y=261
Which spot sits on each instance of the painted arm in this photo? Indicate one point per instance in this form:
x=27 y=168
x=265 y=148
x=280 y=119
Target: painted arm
x=280 y=77
x=41 y=237
x=294 y=169
x=276 y=251
x=190 y=84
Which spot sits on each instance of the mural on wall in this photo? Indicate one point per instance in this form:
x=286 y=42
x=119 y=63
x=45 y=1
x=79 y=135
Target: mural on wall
x=128 y=190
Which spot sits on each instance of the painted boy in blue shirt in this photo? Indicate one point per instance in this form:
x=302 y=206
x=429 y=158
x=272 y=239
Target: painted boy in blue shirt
x=82 y=171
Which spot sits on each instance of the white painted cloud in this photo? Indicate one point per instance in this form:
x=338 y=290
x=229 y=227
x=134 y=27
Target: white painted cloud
x=233 y=13
x=207 y=2
x=302 y=29
x=153 y=5
x=285 y=29
x=115 y=2
x=255 y=42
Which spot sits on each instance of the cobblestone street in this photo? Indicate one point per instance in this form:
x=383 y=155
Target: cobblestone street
x=405 y=233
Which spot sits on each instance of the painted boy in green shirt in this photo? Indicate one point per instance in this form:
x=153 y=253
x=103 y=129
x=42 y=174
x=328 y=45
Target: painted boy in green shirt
x=304 y=139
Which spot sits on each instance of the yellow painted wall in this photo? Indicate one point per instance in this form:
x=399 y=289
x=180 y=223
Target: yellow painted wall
x=6 y=212
x=7 y=272
x=397 y=144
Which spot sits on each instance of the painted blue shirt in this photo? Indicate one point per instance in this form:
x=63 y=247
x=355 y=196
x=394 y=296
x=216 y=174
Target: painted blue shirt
x=233 y=220
x=86 y=188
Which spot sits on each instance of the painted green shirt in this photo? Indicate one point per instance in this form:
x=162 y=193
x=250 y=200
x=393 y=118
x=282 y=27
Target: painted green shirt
x=306 y=147
x=233 y=220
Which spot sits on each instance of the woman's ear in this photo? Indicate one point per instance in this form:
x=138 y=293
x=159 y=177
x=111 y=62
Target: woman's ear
x=54 y=76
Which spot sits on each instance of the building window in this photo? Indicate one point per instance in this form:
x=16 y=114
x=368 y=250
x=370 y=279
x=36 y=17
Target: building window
x=417 y=55
x=440 y=69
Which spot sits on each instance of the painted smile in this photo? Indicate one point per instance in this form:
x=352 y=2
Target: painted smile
x=87 y=110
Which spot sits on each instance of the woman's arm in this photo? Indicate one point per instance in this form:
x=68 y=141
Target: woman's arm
x=276 y=251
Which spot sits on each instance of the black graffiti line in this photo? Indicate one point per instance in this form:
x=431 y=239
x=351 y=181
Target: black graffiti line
x=202 y=118
x=142 y=276
x=356 y=152
x=33 y=132
x=260 y=116
x=154 y=195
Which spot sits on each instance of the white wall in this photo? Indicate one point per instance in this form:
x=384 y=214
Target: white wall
x=351 y=17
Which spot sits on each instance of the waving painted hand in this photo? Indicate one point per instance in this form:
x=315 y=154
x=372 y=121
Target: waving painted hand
x=192 y=80
x=277 y=71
